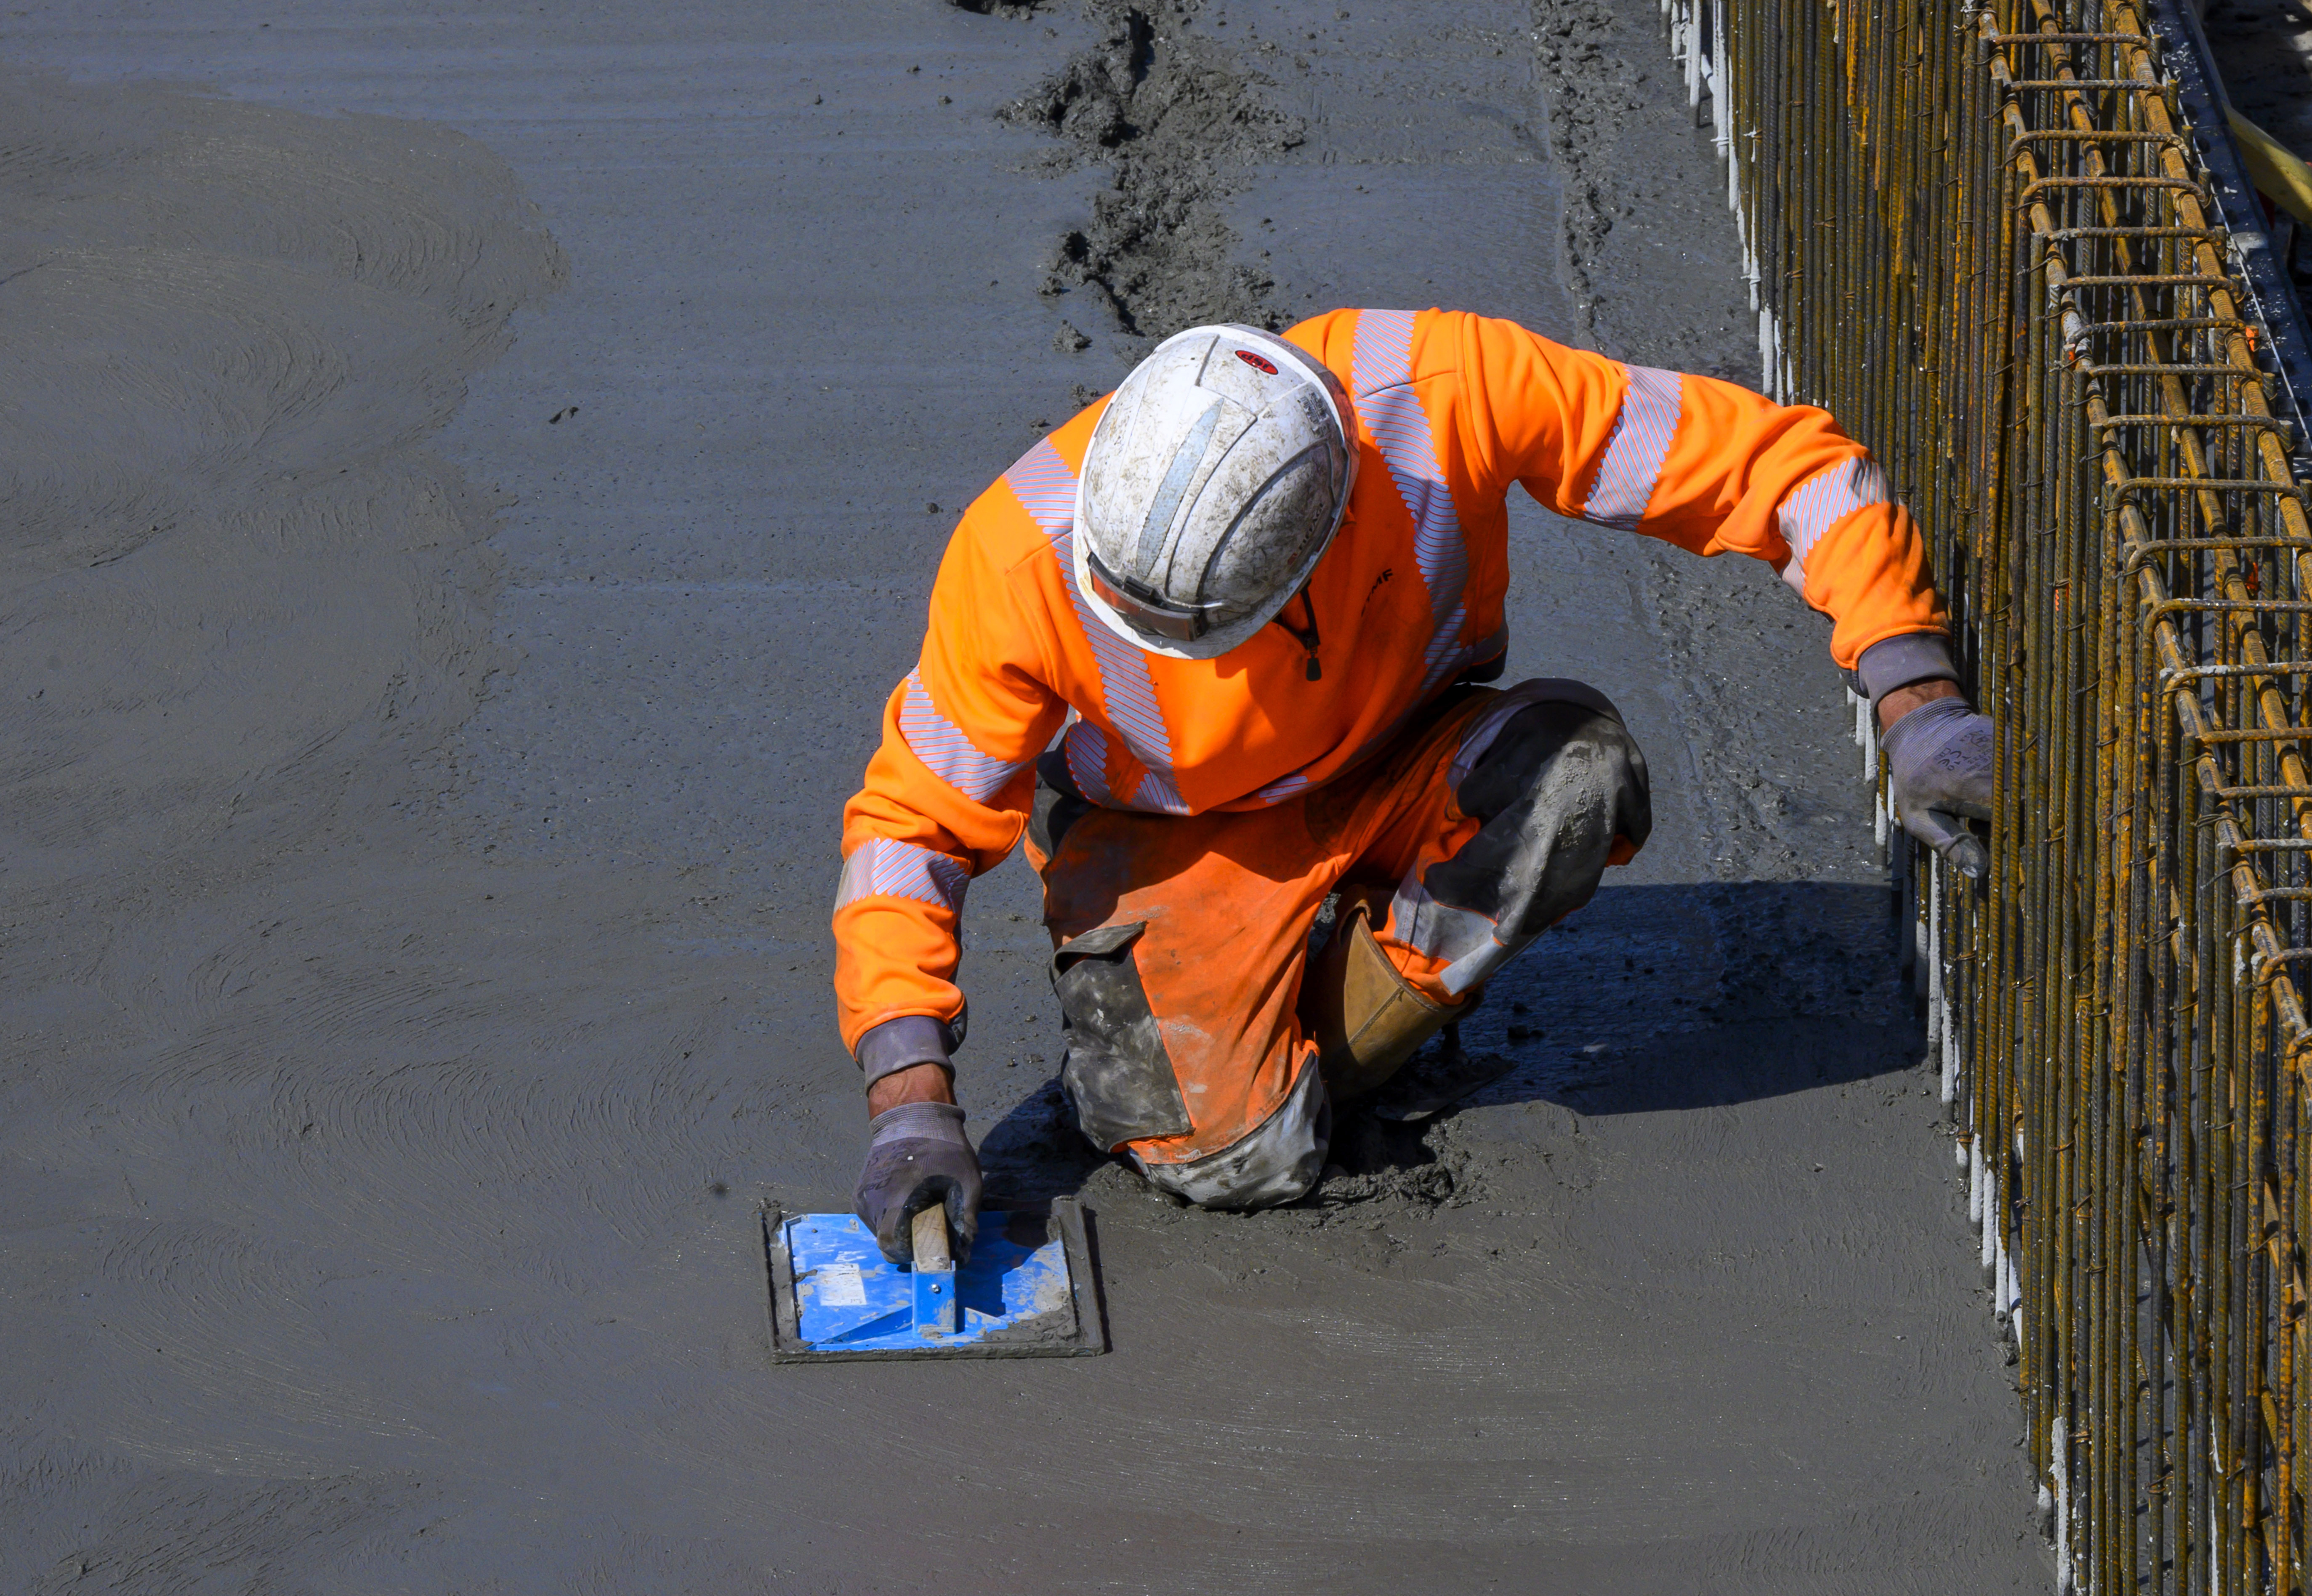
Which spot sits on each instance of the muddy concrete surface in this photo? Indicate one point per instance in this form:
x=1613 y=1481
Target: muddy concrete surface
x=473 y=473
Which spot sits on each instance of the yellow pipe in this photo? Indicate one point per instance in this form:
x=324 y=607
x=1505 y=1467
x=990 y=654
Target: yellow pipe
x=2275 y=171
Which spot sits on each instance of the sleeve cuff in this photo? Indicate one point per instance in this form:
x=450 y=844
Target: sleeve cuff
x=902 y=1044
x=929 y=1122
x=1898 y=661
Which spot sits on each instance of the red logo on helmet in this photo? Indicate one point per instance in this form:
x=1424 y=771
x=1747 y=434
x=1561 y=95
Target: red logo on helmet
x=1256 y=362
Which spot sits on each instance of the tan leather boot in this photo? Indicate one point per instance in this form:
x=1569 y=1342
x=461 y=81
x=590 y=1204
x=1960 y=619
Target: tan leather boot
x=1366 y=1018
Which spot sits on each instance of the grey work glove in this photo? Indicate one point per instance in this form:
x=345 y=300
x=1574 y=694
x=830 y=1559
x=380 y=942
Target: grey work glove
x=917 y=1158
x=1939 y=772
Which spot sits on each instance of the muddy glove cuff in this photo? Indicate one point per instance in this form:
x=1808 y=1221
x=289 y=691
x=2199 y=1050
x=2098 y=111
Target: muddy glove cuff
x=1938 y=774
x=902 y=1044
x=1903 y=662
x=918 y=1158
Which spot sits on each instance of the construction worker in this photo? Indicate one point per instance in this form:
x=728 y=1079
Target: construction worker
x=1253 y=593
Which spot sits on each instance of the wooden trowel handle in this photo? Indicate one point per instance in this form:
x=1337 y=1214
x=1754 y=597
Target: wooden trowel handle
x=931 y=1239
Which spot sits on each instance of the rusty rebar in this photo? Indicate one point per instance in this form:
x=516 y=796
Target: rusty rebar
x=1979 y=233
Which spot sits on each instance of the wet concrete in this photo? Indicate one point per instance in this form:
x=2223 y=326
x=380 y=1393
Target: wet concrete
x=422 y=764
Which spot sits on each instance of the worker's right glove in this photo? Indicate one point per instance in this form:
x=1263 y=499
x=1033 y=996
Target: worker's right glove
x=917 y=1158
x=1938 y=772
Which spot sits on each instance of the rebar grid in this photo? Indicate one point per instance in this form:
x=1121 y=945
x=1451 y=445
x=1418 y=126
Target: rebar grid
x=1981 y=237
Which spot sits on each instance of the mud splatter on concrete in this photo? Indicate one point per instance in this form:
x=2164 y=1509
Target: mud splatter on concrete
x=1641 y=214
x=1176 y=121
x=1591 y=85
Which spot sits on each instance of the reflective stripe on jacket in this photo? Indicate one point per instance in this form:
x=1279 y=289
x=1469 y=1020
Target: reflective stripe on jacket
x=1451 y=409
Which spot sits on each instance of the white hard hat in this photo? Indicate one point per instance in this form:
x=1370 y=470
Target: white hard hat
x=1212 y=486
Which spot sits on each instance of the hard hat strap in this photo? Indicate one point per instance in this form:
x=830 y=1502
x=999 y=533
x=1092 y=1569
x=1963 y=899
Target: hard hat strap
x=1177 y=623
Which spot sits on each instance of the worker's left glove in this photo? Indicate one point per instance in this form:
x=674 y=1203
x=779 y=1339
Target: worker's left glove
x=918 y=1158
x=1939 y=772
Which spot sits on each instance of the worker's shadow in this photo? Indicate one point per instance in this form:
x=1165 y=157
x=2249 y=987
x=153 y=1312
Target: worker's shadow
x=1655 y=999
x=1652 y=999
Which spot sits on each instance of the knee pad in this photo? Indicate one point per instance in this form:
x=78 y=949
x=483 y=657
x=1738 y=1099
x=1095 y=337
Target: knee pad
x=1367 y=1018
x=1274 y=1162
x=1116 y=1071
x=1562 y=792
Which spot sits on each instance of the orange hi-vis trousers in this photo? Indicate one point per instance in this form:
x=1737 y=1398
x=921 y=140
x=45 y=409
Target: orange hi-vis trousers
x=1181 y=942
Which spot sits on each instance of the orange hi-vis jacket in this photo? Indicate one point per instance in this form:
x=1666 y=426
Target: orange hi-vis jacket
x=1451 y=409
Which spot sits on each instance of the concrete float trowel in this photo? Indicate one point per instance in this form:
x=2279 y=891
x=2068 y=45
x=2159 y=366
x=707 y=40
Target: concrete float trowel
x=1028 y=1291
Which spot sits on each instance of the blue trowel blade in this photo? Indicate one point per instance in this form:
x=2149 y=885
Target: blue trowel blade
x=848 y=1297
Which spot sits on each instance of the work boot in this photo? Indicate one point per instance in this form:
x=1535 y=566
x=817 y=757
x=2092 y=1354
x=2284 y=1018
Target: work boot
x=1367 y=1018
